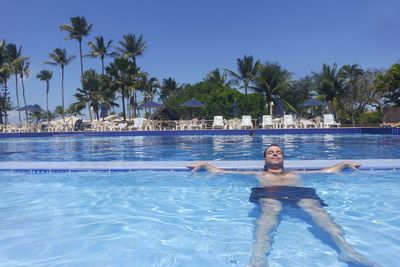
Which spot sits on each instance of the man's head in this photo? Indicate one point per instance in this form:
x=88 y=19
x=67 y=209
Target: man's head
x=273 y=156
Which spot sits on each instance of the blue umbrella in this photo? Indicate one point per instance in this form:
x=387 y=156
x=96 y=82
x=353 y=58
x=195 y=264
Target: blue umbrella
x=235 y=109
x=193 y=103
x=30 y=108
x=313 y=103
x=103 y=111
x=150 y=104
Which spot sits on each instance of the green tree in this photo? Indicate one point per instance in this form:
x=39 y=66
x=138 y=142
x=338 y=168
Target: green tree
x=246 y=71
x=329 y=84
x=169 y=87
x=100 y=49
x=390 y=81
x=14 y=57
x=46 y=76
x=131 y=47
x=90 y=92
x=298 y=92
x=5 y=73
x=218 y=78
x=78 y=29
x=120 y=76
x=273 y=81
x=60 y=58
x=149 y=87
x=24 y=72
x=352 y=94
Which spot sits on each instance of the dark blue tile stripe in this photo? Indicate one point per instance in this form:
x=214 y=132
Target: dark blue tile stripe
x=41 y=171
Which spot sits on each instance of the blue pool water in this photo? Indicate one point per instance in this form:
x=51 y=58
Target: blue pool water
x=185 y=219
x=218 y=147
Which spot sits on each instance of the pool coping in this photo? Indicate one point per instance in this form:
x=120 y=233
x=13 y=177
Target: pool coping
x=128 y=166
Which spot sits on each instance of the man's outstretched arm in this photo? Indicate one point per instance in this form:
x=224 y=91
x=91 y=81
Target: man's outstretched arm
x=336 y=168
x=341 y=166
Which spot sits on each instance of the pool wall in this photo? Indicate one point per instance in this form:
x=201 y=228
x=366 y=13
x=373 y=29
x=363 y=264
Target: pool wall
x=355 y=130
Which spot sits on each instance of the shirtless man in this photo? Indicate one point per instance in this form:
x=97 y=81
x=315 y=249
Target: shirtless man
x=278 y=187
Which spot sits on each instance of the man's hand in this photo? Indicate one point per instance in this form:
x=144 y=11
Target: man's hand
x=353 y=165
x=196 y=166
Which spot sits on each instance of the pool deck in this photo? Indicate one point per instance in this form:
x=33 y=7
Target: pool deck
x=126 y=166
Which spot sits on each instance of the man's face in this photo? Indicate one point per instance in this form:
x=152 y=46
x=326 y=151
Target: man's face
x=274 y=156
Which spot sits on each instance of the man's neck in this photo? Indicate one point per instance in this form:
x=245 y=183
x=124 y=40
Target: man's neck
x=275 y=169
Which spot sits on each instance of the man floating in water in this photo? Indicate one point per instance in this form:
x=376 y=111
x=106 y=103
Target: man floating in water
x=278 y=187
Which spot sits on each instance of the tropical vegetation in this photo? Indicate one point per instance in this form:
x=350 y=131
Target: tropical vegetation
x=253 y=86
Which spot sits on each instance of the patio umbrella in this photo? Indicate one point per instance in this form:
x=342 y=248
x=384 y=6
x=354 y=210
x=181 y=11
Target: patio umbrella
x=193 y=103
x=103 y=111
x=150 y=104
x=313 y=103
x=30 y=108
x=235 y=109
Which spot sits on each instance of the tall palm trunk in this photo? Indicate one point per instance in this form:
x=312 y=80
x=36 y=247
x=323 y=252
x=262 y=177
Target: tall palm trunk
x=123 y=101
x=102 y=65
x=47 y=100
x=246 y=85
x=80 y=53
x=17 y=95
x=62 y=93
x=5 y=100
x=23 y=97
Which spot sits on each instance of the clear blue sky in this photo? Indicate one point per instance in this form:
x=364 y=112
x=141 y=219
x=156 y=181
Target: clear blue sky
x=187 y=39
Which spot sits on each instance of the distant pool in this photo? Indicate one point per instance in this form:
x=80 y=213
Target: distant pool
x=214 y=147
x=184 y=219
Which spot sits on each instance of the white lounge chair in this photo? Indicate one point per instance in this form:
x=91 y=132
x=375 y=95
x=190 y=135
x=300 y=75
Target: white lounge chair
x=288 y=121
x=195 y=124
x=218 y=122
x=329 y=121
x=121 y=126
x=233 y=124
x=137 y=125
x=307 y=123
x=246 y=122
x=267 y=122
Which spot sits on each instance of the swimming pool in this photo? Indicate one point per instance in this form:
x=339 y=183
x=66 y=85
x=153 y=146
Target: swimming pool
x=215 y=147
x=161 y=218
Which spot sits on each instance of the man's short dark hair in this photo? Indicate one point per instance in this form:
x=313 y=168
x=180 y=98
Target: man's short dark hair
x=265 y=151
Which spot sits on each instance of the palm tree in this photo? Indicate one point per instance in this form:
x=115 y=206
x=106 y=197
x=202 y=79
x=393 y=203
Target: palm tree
x=218 y=78
x=390 y=83
x=272 y=81
x=169 y=86
x=148 y=86
x=24 y=72
x=60 y=58
x=46 y=75
x=100 y=49
x=350 y=75
x=5 y=72
x=329 y=82
x=246 y=71
x=90 y=91
x=121 y=79
x=14 y=59
x=131 y=47
x=77 y=30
